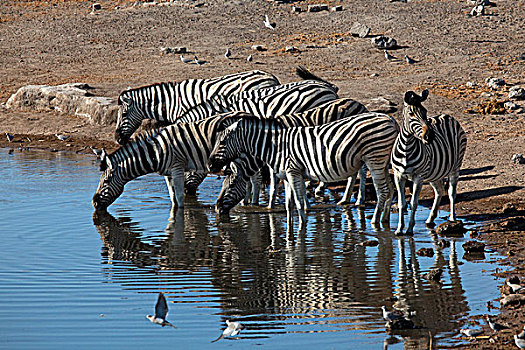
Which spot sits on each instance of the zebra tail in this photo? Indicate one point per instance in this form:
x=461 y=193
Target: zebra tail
x=305 y=74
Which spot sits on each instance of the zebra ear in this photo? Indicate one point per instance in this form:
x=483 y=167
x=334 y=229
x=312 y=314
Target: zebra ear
x=409 y=97
x=105 y=162
x=424 y=95
x=123 y=99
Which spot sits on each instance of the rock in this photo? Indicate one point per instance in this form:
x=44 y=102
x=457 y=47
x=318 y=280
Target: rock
x=359 y=30
x=470 y=84
x=509 y=208
x=489 y=107
x=96 y=6
x=369 y=243
x=258 y=48
x=296 y=9
x=382 y=42
x=495 y=83
x=513 y=300
x=317 y=8
x=290 y=49
x=177 y=49
x=428 y=252
x=337 y=8
x=473 y=247
x=511 y=106
x=72 y=99
x=518 y=158
x=434 y=275
x=381 y=105
x=451 y=228
x=516 y=223
x=517 y=93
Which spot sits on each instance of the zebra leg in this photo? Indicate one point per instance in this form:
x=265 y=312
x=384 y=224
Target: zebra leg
x=170 y=191
x=348 y=191
x=439 y=189
x=382 y=190
x=249 y=188
x=305 y=197
x=385 y=218
x=177 y=183
x=289 y=206
x=416 y=190
x=296 y=183
x=256 y=188
x=274 y=188
x=452 y=190
x=192 y=180
x=400 y=187
x=361 y=196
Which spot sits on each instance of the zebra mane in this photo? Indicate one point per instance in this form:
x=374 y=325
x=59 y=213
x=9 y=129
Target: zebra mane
x=305 y=74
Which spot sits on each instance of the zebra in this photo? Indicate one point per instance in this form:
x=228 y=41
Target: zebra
x=329 y=152
x=166 y=102
x=427 y=149
x=167 y=151
x=329 y=111
x=269 y=103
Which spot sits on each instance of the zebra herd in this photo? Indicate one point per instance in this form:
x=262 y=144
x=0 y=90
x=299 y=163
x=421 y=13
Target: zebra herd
x=302 y=130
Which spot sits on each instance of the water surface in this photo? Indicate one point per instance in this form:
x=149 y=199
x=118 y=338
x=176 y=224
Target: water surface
x=71 y=279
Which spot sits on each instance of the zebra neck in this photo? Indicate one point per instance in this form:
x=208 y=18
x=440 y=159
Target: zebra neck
x=266 y=143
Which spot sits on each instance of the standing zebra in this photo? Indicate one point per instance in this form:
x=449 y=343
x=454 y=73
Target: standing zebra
x=427 y=149
x=169 y=151
x=329 y=152
x=330 y=111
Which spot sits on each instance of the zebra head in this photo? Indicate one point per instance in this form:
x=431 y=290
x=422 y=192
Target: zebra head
x=111 y=184
x=129 y=117
x=415 y=116
x=233 y=189
x=227 y=147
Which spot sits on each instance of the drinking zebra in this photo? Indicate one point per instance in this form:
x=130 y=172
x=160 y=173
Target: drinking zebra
x=329 y=152
x=330 y=111
x=169 y=151
x=427 y=149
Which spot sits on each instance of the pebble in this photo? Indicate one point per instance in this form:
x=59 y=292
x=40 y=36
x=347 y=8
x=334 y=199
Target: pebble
x=359 y=30
x=470 y=84
x=428 y=252
x=473 y=247
x=451 y=228
x=495 y=83
x=290 y=49
x=258 y=48
x=518 y=158
x=168 y=50
x=382 y=42
x=509 y=208
x=381 y=104
x=317 y=8
x=433 y=275
x=516 y=93
x=511 y=106
x=96 y=6
x=369 y=243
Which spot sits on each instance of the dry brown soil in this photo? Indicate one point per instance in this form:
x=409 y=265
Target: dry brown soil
x=59 y=41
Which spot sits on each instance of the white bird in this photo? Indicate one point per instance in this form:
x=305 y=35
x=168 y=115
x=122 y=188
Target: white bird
x=478 y=10
x=185 y=60
x=232 y=329
x=62 y=137
x=227 y=54
x=267 y=23
x=522 y=334
x=410 y=60
x=520 y=343
x=515 y=288
x=9 y=137
x=199 y=62
x=161 y=312
x=249 y=58
x=496 y=327
x=391 y=315
x=389 y=56
x=471 y=332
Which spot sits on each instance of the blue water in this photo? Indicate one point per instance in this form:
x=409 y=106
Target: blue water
x=69 y=279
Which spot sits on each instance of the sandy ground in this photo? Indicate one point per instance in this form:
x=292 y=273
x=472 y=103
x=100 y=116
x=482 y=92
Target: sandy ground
x=59 y=41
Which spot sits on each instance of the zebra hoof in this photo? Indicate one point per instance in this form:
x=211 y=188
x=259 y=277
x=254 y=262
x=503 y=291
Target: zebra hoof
x=430 y=224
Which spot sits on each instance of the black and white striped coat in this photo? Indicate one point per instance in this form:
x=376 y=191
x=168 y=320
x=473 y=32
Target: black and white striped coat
x=330 y=152
x=328 y=112
x=427 y=149
x=169 y=151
